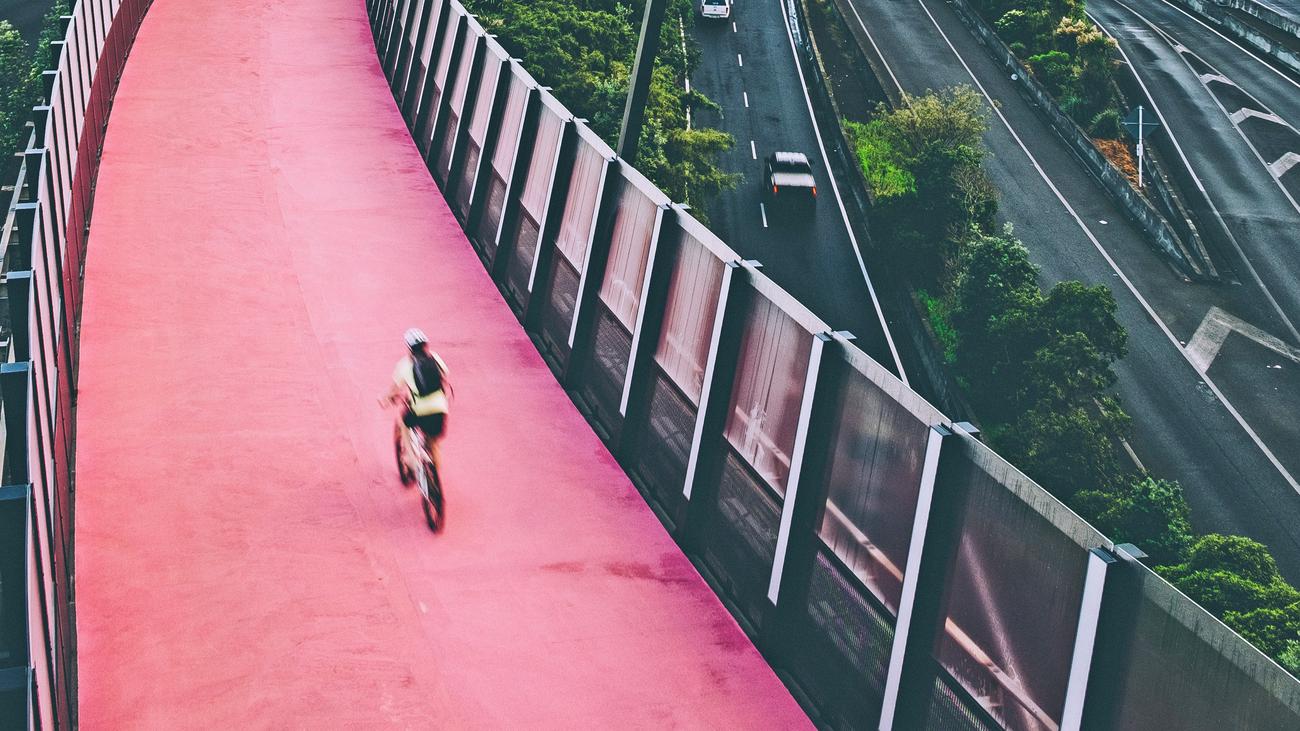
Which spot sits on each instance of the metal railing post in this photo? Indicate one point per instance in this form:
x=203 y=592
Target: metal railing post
x=554 y=212
x=703 y=466
x=593 y=272
x=423 y=110
x=649 y=318
x=461 y=133
x=1113 y=646
x=16 y=393
x=805 y=494
x=478 y=192
x=505 y=245
x=411 y=63
x=1090 y=605
x=910 y=673
x=439 y=113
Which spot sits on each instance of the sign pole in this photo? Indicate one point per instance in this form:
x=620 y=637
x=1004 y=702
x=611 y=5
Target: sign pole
x=1140 y=151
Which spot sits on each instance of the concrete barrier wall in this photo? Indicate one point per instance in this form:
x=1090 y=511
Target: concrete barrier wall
x=1216 y=12
x=892 y=568
x=44 y=245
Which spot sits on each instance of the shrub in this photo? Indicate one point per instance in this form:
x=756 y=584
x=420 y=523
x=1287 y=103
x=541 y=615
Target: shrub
x=1055 y=71
x=1107 y=125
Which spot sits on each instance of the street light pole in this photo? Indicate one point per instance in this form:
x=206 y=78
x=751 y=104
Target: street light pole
x=639 y=85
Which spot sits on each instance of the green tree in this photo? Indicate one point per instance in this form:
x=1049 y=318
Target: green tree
x=584 y=51
x=1231 y=573
x=16 y=87
x=1274 y=630
x=924 y=162
x=1026 y=28
x=1066 y=450
x=1147 y=512
x=996 y=301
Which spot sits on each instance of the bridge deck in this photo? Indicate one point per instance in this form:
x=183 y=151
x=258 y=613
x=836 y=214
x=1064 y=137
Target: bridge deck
x=264 y=231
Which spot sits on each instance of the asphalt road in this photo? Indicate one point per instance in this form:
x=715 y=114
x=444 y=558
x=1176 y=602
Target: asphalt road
x=1234 y=119
x=1182 y=426
x=748 y=68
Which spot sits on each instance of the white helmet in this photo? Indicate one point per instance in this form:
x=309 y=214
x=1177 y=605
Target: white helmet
x=414 y=338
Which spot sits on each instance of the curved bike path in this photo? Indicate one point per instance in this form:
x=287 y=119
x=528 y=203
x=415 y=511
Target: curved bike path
x=264 y=231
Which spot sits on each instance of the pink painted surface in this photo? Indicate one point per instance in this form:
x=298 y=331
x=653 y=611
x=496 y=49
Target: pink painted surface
x=264 y=230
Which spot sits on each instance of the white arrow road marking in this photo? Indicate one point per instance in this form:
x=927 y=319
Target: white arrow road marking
x=1216 y=327
x=1241 y=114
x=1207 y=78
x=1279 y=166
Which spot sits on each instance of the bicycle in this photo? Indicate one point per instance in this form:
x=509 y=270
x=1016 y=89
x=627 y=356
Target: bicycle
x=415 y=464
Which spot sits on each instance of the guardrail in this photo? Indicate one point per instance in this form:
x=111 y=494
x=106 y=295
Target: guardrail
x=892 y=568
x=43 y=246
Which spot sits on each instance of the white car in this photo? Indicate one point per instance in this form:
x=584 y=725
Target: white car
x=715 y=9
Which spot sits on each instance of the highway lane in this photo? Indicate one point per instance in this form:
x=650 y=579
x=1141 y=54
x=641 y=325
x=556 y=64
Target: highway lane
x=1234 y=119
x=748 y=68
x=1182 y=427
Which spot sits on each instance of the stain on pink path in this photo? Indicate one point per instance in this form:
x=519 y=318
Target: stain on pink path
x=264 y=231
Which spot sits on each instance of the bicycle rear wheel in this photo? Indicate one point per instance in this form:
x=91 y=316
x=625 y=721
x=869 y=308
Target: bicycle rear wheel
x=435 y=508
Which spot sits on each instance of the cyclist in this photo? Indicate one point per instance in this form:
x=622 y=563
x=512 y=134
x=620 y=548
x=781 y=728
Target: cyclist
x=420 y=382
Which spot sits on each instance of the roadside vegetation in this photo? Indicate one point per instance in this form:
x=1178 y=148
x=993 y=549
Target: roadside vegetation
x=20 y=77
x=1037 y=365
x=585 y=51
x=1066 y=52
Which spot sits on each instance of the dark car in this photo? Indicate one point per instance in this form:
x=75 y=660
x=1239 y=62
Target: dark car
x=788 y=178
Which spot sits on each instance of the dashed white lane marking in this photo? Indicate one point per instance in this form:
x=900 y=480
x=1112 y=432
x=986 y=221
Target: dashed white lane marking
x=1217 y=326
x=1245 y=113
x=753 y=151
x=762 y=209
x=733 y=26
x=740 y=60
x=1280 y=166
x=746 y=95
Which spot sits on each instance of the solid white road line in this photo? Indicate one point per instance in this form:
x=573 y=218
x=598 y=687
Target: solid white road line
x=1151 y=312
x=835 y=188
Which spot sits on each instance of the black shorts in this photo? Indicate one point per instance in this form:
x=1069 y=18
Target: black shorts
x=432 y=425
